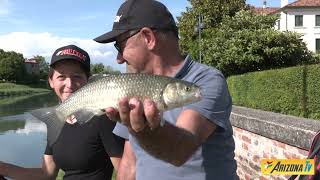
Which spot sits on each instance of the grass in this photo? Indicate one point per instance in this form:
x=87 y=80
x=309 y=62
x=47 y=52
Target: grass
x=15 y=99
x=60 y=175
x=11 y=89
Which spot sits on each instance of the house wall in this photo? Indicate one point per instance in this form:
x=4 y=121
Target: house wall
x=32 y=68
x=309 y=31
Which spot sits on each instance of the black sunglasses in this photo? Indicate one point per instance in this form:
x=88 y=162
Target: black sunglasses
x=131 y=33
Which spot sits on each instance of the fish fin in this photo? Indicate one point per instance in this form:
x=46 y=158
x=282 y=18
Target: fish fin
x=99 y=112
x=54 y=121
x=84 y=115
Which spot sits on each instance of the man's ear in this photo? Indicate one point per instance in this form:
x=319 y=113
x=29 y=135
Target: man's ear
x=50 y=83
x=149 y=37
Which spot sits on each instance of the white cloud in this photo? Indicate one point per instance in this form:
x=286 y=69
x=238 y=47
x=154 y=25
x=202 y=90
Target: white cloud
x=4 y=7
x=44 y=44
x=88 y=17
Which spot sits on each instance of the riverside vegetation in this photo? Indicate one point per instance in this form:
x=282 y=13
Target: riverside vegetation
x=12 y=89
x=293 y=91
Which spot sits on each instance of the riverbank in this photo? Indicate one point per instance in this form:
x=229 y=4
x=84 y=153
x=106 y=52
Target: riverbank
x=12 y=89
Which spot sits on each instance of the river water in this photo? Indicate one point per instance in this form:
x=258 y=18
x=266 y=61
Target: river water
x=22 y=142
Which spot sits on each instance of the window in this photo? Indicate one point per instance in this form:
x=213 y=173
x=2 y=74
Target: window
x=298 y=20
x=317 y=20
x=317 y=45
x=278 y=24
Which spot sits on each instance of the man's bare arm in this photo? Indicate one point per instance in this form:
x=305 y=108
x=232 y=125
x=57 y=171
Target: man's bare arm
x=127 y=166
x=175 y=144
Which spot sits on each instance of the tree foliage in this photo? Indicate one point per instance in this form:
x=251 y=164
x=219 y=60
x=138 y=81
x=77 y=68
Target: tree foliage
x=12 y=66
x=248 y=42
x=99 y=68
x=245 y=42
x=43 y=66
x=212 y=13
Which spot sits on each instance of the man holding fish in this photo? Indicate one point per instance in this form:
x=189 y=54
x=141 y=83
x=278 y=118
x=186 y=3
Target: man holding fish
x=195 y=141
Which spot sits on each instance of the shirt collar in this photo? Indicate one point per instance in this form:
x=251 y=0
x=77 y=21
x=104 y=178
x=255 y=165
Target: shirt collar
x=184 y=68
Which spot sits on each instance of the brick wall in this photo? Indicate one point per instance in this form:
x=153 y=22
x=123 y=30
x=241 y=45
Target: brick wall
x=264 y=135
x=251 y=148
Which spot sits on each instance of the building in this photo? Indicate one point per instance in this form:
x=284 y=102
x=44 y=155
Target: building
x=301 y=16
x=32 y=66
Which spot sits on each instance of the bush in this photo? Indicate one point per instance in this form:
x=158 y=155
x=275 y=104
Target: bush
x=246 y=42
x=293 y=91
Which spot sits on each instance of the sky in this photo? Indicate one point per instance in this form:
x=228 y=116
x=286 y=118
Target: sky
x=36 y=27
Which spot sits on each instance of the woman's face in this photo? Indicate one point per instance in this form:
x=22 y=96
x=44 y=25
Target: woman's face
x=68 y=76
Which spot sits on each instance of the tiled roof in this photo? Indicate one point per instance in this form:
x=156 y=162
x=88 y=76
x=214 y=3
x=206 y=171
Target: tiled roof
x=304 y=3
x=267 y=10
x=32 y=61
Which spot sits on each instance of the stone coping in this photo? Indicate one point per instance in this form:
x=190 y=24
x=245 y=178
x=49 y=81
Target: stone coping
x=287 y=129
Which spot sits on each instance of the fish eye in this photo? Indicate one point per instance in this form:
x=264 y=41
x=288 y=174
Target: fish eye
x=187 y=88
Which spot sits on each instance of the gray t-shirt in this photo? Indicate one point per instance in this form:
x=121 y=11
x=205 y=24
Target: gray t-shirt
x=214 y=159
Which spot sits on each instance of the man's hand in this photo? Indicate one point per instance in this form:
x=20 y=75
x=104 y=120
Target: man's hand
x=136 y=115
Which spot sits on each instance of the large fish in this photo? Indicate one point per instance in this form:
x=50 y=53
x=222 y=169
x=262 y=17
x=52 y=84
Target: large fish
x=105 y=91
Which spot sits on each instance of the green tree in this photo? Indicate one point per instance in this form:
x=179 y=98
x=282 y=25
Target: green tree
x=12 y=66
x=108 y=69
x=43 y=66
x=248 y=42
x=212 y=13
x=97 y=68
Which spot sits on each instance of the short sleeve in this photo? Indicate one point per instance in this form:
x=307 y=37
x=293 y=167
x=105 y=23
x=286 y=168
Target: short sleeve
x=48 y=150
x=112 y=144
x=121 y=130
x=216 y=102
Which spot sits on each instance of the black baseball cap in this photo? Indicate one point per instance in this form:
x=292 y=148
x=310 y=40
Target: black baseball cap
x=136 y=14
x=71 y=52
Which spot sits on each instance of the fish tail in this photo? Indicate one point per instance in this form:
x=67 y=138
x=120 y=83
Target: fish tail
x=54 y=121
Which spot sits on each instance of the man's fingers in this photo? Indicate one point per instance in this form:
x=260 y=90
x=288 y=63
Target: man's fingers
x=151 y=113
x=112 y=114
x=124 y=111
x=137 y=117
x=134 y=114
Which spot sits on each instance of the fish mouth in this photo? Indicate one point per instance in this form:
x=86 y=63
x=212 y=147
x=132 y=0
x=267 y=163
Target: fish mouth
x=198 y=94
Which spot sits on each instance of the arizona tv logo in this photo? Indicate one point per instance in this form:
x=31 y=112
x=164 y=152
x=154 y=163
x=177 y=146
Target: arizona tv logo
x=287 y=166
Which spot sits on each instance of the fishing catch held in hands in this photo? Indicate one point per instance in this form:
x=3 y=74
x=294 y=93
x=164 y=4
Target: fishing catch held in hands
x=106 y=91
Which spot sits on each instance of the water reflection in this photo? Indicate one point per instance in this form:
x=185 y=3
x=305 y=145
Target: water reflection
x=22 y=142
x=19 y=104
x=10 y=125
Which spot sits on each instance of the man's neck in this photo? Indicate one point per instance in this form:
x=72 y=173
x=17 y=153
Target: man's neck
x=167 y=66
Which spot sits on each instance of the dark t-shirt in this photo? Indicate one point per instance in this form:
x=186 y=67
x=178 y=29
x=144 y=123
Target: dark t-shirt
x=83 y=151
